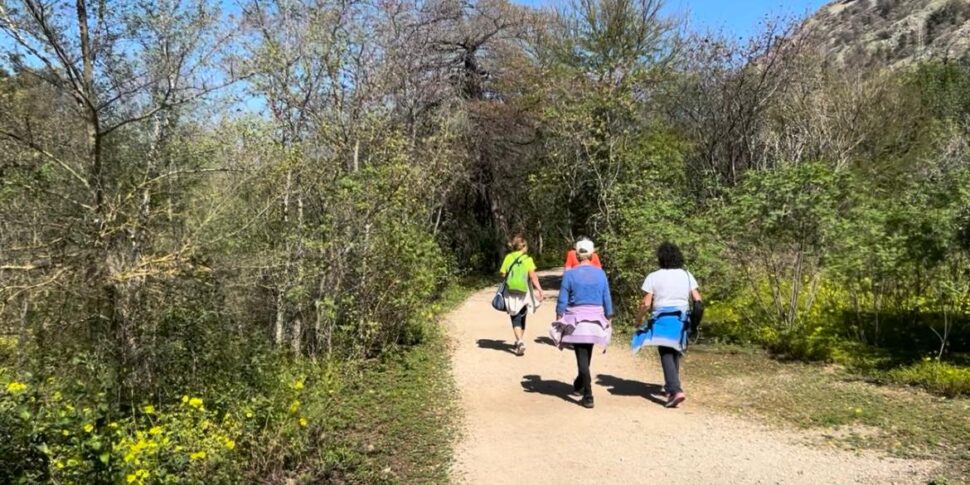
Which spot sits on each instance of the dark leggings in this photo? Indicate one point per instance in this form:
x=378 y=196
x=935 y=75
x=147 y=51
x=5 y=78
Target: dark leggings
x=518 y=320
x=670 y=361
x=583 y=382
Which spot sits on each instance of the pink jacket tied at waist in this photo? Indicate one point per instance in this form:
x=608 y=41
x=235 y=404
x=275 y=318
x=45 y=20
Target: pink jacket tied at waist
x=582 y=324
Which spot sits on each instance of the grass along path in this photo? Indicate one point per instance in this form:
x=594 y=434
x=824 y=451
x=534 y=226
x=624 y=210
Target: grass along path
x=520 y=425
x=835 y=408
x=394 y=420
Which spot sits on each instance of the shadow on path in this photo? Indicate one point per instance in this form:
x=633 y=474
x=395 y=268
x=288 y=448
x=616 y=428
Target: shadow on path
x=550 y=282
x=485 y=343
x=545 y=341
x=534 y=383
x=625 y=387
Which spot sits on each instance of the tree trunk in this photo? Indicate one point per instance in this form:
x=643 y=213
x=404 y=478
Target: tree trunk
x=283 y=283
x=280 y=319
x=297 y=337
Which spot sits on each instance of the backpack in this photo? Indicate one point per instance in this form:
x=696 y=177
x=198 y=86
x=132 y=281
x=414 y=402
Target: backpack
x=498 y=301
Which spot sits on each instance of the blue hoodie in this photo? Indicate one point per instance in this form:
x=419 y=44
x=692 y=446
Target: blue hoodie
x=585 y=285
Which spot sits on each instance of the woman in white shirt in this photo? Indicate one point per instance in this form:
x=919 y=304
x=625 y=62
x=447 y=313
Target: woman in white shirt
x=669 y=287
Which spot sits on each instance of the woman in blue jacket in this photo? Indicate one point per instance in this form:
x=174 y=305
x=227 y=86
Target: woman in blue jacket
x=583 y=314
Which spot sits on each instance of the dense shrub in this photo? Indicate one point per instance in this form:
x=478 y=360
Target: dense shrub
x=298 y=419
x=938 y=377
x=53 y=432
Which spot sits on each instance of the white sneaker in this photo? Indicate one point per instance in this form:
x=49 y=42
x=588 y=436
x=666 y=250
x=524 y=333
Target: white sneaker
x=520 y=349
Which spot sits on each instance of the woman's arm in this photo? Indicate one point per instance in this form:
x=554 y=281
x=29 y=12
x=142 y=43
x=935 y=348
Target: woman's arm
x=645 y=305
x=607 y=299
x=563 y=301
x=696 y=295
x=535 y=284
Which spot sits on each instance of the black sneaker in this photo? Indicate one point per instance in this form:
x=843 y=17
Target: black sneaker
x=587 y=402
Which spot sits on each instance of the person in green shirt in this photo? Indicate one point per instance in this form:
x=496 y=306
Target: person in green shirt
x=519 y=270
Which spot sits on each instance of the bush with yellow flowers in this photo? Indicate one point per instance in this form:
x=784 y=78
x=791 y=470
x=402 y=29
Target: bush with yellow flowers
x=54 y=431
x=47 y=437
x=187 y=441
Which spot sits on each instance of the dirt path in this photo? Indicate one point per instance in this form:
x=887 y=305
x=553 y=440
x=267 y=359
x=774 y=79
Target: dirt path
x=521 y=427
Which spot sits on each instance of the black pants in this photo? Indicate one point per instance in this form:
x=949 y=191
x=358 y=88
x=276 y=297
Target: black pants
x=518 y=320
x=583 y=382
x=670 y=361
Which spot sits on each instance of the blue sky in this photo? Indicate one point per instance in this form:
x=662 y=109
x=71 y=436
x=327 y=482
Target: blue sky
x=733 y=17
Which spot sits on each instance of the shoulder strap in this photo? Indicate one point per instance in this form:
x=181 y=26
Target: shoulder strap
x=690 y=291
x=509 y=272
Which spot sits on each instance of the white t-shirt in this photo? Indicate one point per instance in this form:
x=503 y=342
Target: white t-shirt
x=670 y=288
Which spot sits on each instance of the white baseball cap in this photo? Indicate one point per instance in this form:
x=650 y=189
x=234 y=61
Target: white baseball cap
x=585 y=246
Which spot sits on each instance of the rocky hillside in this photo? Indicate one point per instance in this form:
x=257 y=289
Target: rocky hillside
x=891 y=32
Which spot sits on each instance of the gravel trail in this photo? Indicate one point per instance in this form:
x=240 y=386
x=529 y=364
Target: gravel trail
x=521 y=427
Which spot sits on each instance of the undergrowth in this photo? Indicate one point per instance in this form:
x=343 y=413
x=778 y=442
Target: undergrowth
x=388 y=420
x=840 y=407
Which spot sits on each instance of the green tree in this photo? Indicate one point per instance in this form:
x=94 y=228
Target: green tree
x=782 y=226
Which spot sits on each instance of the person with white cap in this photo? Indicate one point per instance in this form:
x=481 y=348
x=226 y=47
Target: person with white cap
x=572 y=261
x=583 y=314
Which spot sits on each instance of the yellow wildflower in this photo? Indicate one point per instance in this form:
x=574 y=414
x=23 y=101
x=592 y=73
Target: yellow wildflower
x=195 y=402
x=130 y=477
x=230 y=444
x=149 y=409
x=198 y=455
x=185 y=399
x=56 y=396
x=298 y=384
x=16 y=387
x=88 y=428
x=155 y=431
x=303 y=421
x=295 y=406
